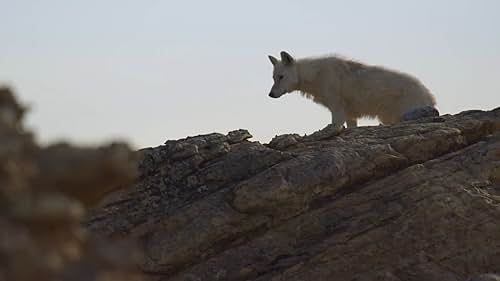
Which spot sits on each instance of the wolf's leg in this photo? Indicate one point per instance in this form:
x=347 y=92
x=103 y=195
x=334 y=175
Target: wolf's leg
x=352 y=123
x=338 y=117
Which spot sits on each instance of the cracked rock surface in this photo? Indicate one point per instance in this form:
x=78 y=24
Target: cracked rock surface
x=419 y=200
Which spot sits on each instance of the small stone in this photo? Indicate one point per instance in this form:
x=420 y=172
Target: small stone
x=237 y=136
x=418 y=113
x=284 y=141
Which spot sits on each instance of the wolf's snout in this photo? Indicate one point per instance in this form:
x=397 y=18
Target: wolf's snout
x=271 y=95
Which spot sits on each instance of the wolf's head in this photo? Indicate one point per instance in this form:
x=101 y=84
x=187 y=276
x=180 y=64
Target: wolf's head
x=284 y=75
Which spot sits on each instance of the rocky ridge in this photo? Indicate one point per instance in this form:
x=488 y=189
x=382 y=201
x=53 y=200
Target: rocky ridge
x=419 y=200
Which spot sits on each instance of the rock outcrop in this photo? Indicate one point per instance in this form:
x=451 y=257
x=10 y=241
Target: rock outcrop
x=419 y=200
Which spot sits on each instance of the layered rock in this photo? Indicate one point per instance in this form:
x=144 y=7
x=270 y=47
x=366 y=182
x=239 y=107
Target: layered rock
x=419 y=200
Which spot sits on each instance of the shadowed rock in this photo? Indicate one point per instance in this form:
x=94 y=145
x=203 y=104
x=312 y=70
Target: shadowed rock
x=414 y=201
x=421 y=112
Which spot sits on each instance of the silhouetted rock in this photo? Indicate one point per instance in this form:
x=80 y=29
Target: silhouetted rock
x=419 y=200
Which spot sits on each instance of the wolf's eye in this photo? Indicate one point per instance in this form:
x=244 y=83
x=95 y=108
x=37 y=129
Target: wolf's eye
x=280 y=77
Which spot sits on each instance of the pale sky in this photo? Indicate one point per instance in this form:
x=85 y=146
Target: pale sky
x=147 y=71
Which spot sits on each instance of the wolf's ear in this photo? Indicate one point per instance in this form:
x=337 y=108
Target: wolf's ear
x=286 y=58
x=273 y=60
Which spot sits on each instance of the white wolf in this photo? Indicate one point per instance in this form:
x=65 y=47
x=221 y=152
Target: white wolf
x=349 y=89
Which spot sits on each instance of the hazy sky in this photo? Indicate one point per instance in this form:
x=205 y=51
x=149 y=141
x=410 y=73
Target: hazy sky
x=147 y=71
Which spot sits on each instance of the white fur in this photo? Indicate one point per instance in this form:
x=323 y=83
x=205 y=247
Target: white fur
x=349 y=89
